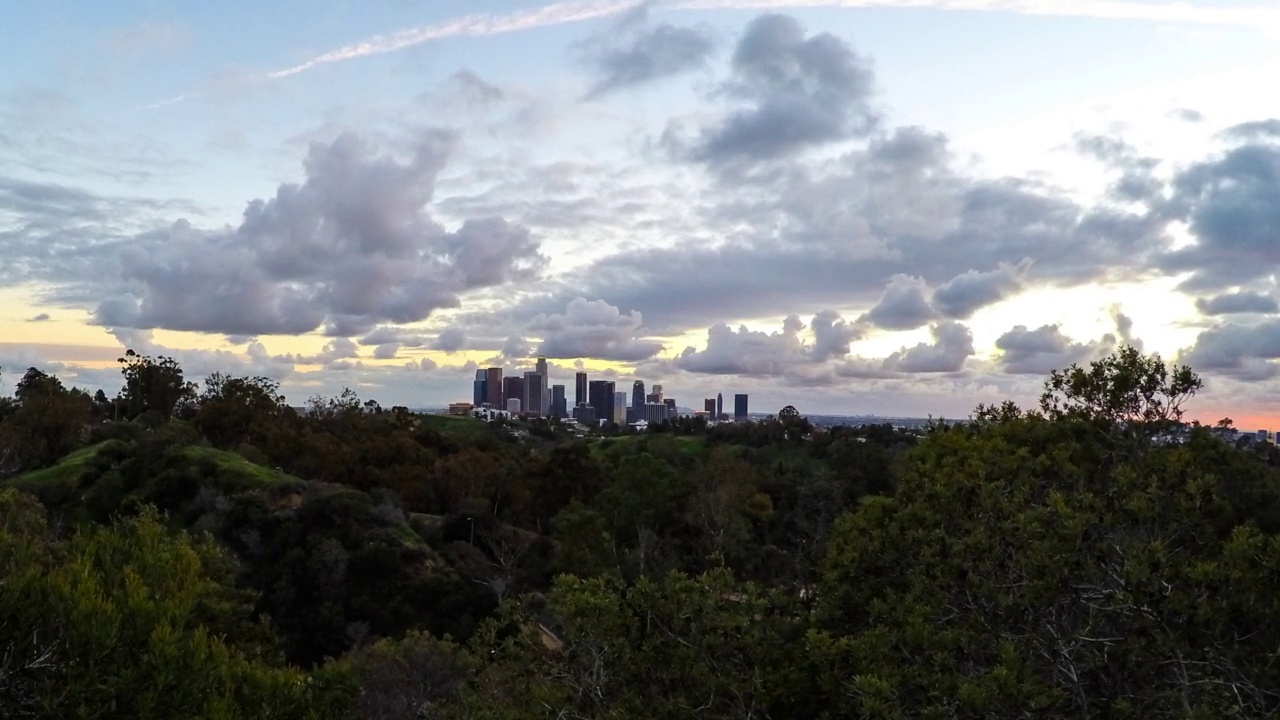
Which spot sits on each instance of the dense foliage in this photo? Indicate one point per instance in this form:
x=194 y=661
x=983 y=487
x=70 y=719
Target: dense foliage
x=173 y=553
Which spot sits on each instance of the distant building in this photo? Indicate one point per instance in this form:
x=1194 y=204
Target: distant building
x=460 y=408
x=654 y=413
x=532 y=404
x=559 y=406
x=493 y=386
x=620 y=409
x=637 y=397
x=579 y=389
x=541 y=369
x=709 y=407
x=478 y=395
x=585 y=414
x=545 y=407
x=719 y=406
x=600 y=396
x=653 y=397
x=1264 y=436
x=740 y=407
x=672 y=413
x=657 y=390
x=513 y=387
x=513 y=406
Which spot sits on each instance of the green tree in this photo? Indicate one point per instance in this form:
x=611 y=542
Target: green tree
x=47 y=422
x=235 y=410
x=152 y=385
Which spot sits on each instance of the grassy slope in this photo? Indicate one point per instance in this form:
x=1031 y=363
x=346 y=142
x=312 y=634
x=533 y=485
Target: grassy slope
x=456 y=426
x=67 y=471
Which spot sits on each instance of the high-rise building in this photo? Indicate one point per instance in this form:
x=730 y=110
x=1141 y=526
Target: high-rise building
x=657 y=390
x=654 y=413
x=513 y=405
x=546 y=398
x=585 y=414
x=600 y=396
x=740 y=407
x=541 y=368
x=559 y=406
x=709 y=407
x=478 y=395
x=579 y=389
x=513 y=387
x=493 y=386
x=620 y=409
x=672 y=413
x=637 y=398
x=719 y=406
x=532 y=394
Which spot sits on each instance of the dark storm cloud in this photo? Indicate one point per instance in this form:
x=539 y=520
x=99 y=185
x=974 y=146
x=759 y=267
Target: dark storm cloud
x=593 y=329
x=349 y=247
x=903 y=306
x=1238 y=303
x=632 y=53
x=1045 y=349
x=1230 y=204
x=1256 y=130
x=798 y=92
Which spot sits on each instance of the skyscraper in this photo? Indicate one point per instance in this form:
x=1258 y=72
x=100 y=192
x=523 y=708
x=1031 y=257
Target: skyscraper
x=532 y=404
x=600 y=395
x=637 y=398
x=719 y=405
x=541 y=368
x=657 y=390
x=477 y=389
x=559 y=407
x=620 y=408
x=670 y=403
x=740 y=407
x=513 y=387
x=579 y=389
x=493 y=386
x=709 y=407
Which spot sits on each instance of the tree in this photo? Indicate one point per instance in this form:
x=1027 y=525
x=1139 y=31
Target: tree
x=1123 y=388
x=48 y=422
x=152 y=385
x=232 y=410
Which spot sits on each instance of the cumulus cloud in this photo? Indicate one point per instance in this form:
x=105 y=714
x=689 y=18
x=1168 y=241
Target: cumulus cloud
x=746 y=352
x=1268 y=129
x=451 y=339
x=1238 y=303
x=633 y=53
x=964 y=294
x=832 y=335
x=1045 y=349
x=594 y=329
x=952 y=345
x=797 y=91
x=351 y=246
x=903 y=306
x=1238 y=350
x=516 y=347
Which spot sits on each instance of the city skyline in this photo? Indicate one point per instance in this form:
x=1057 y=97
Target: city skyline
x=893 y=207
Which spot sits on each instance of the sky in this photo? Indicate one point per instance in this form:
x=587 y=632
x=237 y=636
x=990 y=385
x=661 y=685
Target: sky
x=892 y=207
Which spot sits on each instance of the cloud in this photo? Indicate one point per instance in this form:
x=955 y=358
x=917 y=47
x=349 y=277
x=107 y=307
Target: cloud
x=903 y=306
x=798 y=92
x=1187 y=115
x=451 y=339
x=1230 y=205
x=964 y=294
x=1045 y=349
x=42 y=317
x=349 y=247
x=631 y=54
x=1237 y=350
x=1234 y=303
x=516 y=347
x=594 y=329
x=1251 y=131
x=746 y=352
x=952 y=345
x=832 y=335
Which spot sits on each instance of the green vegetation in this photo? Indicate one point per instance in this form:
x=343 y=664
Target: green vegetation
x=233 y=557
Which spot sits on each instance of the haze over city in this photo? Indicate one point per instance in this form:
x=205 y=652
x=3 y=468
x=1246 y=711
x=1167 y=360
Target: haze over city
x=901 y=207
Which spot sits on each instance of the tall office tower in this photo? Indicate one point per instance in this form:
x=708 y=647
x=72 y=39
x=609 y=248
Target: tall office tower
x=585 y=414
x=559 y=407
x=541 y=368
x=477 y=389
x=493 y=386
x=672 y=413
x=654 y=413
x=719 y=405
x=740 y=407
x=657 y=390
x=532 y=394
x=579 y=389
x=709 y=407
x=546 y=398
x=653 y=397
x=600 y=396
x=513 y=387
x=637 y=398
x=620 y=409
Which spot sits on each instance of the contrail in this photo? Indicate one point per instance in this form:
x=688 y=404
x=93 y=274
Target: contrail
x=563 y=13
